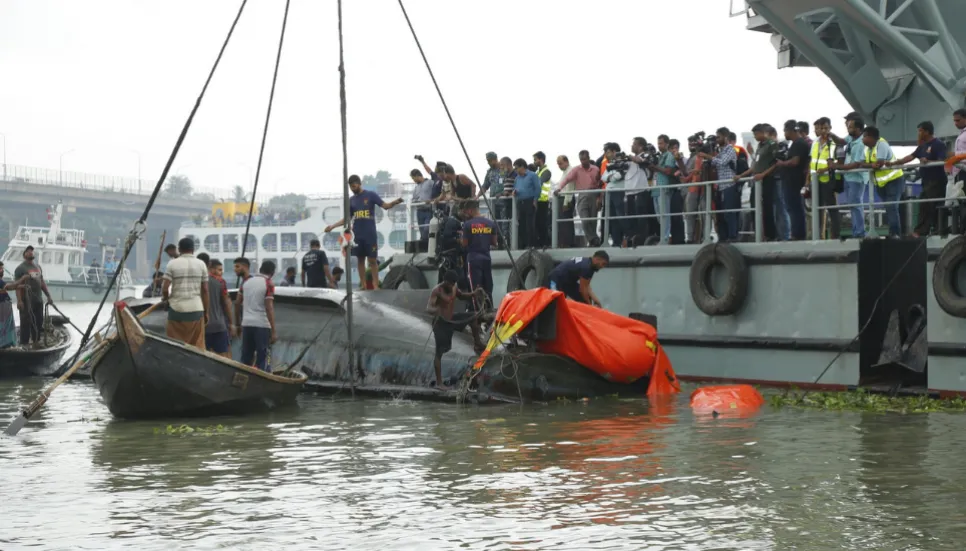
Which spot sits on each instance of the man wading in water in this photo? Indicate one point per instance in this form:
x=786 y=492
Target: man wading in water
x=441 y=303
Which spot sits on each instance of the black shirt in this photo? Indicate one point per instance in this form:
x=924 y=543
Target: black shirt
x=313 y=264
x=567 y=274
x=795 y=175
x=932 y=151
x=450 y=235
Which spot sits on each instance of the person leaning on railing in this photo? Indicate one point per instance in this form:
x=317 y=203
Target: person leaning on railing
x=763 y=166
x=889 y=181
x=585 y=177
x=729 y=196
x=856 y=181
x=930 y=150
x=822 y=151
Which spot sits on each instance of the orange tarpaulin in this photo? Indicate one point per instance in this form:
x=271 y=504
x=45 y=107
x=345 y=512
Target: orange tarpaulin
x=737 y=400
x=615 y=347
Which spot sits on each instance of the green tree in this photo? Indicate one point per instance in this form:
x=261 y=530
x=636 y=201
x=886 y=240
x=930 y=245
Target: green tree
x=294 y=201
x=381 y=177
x=178 y=185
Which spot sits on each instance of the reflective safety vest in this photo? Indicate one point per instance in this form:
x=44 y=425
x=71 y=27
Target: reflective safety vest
x=545 y=187
x=820 y=155
x=887 y=174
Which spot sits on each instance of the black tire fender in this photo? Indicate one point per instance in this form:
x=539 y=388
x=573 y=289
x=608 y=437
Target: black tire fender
x=410 y=275
x=530 y=261
x=944 y=271
x=98 y=288
x=730 y=258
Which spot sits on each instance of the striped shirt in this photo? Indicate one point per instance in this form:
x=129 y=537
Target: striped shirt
x=186 y=274
x=725 y=163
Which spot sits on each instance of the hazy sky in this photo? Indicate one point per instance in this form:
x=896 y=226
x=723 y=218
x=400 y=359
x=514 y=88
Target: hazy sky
x=108 y=77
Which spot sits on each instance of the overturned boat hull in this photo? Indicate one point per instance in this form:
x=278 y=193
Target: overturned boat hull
x=143 y=375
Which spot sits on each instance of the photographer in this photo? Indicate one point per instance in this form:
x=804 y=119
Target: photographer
x=728 y=195
x=636 y=194
x=617 y=164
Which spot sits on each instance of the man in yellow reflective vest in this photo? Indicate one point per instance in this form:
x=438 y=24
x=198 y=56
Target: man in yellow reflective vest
x=823 y=149
x=889 y=182
x=543 y=202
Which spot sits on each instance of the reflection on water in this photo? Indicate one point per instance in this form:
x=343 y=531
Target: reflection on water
x=401 y=475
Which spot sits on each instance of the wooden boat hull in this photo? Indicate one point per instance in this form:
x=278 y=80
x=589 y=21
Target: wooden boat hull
x=18 y=362
x=149 y=376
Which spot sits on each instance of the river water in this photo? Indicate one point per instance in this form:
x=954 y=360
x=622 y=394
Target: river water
x=607 y=474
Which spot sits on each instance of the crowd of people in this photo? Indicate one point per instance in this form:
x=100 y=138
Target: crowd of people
x=653 y=182
x=265 y=216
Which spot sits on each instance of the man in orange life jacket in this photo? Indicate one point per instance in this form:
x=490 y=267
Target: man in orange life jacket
x=479 y=235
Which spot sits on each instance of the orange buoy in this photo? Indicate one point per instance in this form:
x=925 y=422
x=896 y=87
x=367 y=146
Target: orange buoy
x=737 y=400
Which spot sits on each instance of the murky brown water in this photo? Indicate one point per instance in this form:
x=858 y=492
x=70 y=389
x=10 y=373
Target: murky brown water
x=402 y=475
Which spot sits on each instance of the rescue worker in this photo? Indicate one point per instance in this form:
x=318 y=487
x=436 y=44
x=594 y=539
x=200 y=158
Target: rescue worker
x=542 y=224
x=889 y=182
x=442 y=302
x=449 y=247
x=572 y=277
x=479 y=236
x=823 y=150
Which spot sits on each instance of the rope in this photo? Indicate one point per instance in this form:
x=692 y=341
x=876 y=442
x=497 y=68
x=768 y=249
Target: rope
x=452 y=123
x=139 y=226
x=345 y=199
x=261 y=149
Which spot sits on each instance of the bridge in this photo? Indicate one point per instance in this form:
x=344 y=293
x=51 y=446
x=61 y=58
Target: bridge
x=896 y=62
x=104 y=206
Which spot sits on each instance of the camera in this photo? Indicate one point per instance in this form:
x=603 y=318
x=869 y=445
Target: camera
x=621 y=163
x=650 y=155
x=418 y=158
x=782 y=153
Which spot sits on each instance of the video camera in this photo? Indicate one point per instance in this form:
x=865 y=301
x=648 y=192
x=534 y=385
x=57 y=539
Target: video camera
x=704 y=143
x=650 y=155
x=782 y=153
x=621 y=163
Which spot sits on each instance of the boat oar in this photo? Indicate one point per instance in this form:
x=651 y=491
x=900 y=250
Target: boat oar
x=25 y=415
x=66 y=319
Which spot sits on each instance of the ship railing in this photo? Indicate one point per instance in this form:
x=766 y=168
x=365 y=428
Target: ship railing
x=90 y=275
x=873 y=209
x=254 y=224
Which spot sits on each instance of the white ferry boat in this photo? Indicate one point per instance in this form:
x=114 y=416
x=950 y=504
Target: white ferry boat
x=60 y=255
x=284 y=237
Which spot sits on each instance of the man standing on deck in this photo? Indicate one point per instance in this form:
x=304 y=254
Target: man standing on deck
x=442 y=302
x=479 y=236
x=526 y=191
x=763 y=167
x=493 y=183
x=542 y=224
x=855 y=182
x=256 y=299
x=572 y=277
x=889 y=182
x=315 y=268
x=585 y=177
x=565 y=227
x=931 y=149
x=793 y=179
x=30 y=298
x=218 y=331
x=361 y=212
x=422 y=199
x=185 y=289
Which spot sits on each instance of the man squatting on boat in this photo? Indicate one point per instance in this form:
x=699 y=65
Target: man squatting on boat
x=363 y=219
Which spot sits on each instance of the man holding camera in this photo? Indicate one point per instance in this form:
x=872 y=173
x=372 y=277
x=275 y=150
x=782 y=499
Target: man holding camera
x=617 y=166
x=728 y=195
x=636 y=192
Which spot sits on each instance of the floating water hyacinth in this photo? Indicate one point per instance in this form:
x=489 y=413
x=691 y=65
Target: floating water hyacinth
x=860 y=400
x=187 y=429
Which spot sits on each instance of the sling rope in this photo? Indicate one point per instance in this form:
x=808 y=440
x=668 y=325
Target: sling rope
x=261 y=149
x=503 y=238
x=139 y=226
x=345 y=205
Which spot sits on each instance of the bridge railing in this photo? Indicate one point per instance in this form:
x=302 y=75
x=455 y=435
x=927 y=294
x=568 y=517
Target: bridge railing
x=18 y=174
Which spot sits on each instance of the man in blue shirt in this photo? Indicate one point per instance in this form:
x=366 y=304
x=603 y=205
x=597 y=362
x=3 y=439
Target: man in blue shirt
x=572 y=277
x=931 y=149
x=479 y=236
x=855 y=182
x=362 y=206
x=526 y=190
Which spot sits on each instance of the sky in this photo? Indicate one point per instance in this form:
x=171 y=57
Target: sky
x=112 y=81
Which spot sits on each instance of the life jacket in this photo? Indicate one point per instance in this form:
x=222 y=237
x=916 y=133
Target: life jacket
x=545 y=187
x=819 y=158
x=885 y=175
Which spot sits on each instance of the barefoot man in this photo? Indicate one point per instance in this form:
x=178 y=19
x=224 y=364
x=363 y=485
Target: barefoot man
x=441 y=303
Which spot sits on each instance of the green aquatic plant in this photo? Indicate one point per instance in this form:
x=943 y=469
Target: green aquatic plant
x=187 y=429
x=860 y=400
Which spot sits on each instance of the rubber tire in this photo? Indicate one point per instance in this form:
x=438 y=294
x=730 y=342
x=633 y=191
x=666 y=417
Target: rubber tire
x=405 y=274
x=97 y=288
x=951 y=257
x=729 y=257
x=531 y=260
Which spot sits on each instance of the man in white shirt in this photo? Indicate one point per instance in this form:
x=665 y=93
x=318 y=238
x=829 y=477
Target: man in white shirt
x=256 y=301
x=636 y=183
x=185 y=289
x=565 y=230
x=959 y=119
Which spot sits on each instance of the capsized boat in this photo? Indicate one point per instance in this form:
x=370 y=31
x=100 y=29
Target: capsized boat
x=145 y=375
x=39 y=358
x=393 y=348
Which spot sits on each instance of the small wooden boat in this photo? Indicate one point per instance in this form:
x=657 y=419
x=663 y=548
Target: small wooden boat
x=40 y=358
x=144 y=375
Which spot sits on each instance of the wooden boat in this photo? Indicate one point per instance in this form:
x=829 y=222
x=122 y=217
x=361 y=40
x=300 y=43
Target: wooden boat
x=41 y=358
x=144 y=375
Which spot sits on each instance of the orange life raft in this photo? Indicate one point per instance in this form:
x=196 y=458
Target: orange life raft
x=618 y=348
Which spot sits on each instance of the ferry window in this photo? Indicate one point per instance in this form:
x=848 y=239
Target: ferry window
x=289 y=242
x=399 y=214
x=59 y=258
x=46 y=257
x=196 y=241
x=380 y=240
x=397 y=239
x=331 y=214
x=330 y=242
x=250 y=244
x=231 y=243
x=307 y=238
x=270 y=242
x=211 y=244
